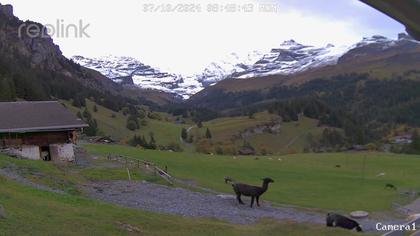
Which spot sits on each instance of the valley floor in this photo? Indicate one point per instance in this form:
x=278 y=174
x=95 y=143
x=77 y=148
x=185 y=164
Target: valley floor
x=102 y=180
x=41 y=199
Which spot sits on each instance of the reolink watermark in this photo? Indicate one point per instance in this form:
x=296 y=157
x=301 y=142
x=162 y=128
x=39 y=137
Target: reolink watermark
x=60 y=29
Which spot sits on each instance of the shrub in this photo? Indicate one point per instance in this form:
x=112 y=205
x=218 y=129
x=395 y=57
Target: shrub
x=144 y=122
x=155 y=116
x=131 y=125
x=204 y=146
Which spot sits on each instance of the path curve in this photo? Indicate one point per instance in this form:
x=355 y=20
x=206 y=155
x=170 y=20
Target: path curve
x=12 y=175
x=183 y=202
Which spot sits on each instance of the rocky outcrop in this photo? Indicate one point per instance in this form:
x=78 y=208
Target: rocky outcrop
x=269 y=128
x=29 y=39
x=6 y=10
x=26 y=46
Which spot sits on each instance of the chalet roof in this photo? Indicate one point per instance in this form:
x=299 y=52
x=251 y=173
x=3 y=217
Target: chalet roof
x=21 y=117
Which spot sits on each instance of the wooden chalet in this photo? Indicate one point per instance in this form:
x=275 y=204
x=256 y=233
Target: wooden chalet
x=39 y=130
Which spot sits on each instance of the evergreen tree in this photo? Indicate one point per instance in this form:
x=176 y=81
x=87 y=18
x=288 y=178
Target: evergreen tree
x=415 y=145
x=143 y=141
x=184 y=134
x=86 y=114
x=92 y=130
x=79 y=102
x=208 y=134
x=152 y=142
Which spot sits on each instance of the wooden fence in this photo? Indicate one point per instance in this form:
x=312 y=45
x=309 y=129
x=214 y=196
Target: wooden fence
x=129 y=161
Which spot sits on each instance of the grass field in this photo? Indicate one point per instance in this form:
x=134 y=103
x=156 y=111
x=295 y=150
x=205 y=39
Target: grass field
x=36 y=212
x=224 y=128
x=291 y=138
x=308 y=180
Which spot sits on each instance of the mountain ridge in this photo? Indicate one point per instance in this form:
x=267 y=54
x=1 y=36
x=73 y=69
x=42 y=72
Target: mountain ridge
x=288 y=59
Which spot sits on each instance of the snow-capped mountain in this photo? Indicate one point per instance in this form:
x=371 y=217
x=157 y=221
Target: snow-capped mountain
x=127 y=70
x=289 y=58
x=232 y=63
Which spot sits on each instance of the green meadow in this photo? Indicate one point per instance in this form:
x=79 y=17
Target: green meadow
x=306 y=180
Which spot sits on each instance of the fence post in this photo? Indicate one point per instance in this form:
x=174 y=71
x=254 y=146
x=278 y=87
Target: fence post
x=129 y=176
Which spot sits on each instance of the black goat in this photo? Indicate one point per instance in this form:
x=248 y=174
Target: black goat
x=336 y=220
x=250 y=191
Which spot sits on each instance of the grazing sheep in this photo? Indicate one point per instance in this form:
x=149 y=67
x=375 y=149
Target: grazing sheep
x=250 y=191
x=391 y=186
x=336 y=220
x=380 y=175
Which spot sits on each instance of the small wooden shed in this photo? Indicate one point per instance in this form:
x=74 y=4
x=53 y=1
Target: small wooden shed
x=43 y=130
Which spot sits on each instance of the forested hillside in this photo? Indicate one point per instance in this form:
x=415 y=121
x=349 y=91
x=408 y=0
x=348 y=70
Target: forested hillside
x=365 y=108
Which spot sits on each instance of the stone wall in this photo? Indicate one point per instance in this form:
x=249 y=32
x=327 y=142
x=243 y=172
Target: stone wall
x=27 y=151
x=62 y=152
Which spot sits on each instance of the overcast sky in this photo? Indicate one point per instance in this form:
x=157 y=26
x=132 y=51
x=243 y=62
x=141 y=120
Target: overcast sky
x=186 y=42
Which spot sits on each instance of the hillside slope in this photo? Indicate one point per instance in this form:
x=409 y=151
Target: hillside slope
x=378 y=56
x=32 y=67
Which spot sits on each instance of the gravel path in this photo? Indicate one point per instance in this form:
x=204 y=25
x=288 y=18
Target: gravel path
x=12 y=175
x=413 y=207
x=178 y=201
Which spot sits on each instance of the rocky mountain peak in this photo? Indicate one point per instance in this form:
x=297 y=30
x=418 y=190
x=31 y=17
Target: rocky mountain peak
x=404 y=36
x=289 y=44
x=375 y=39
